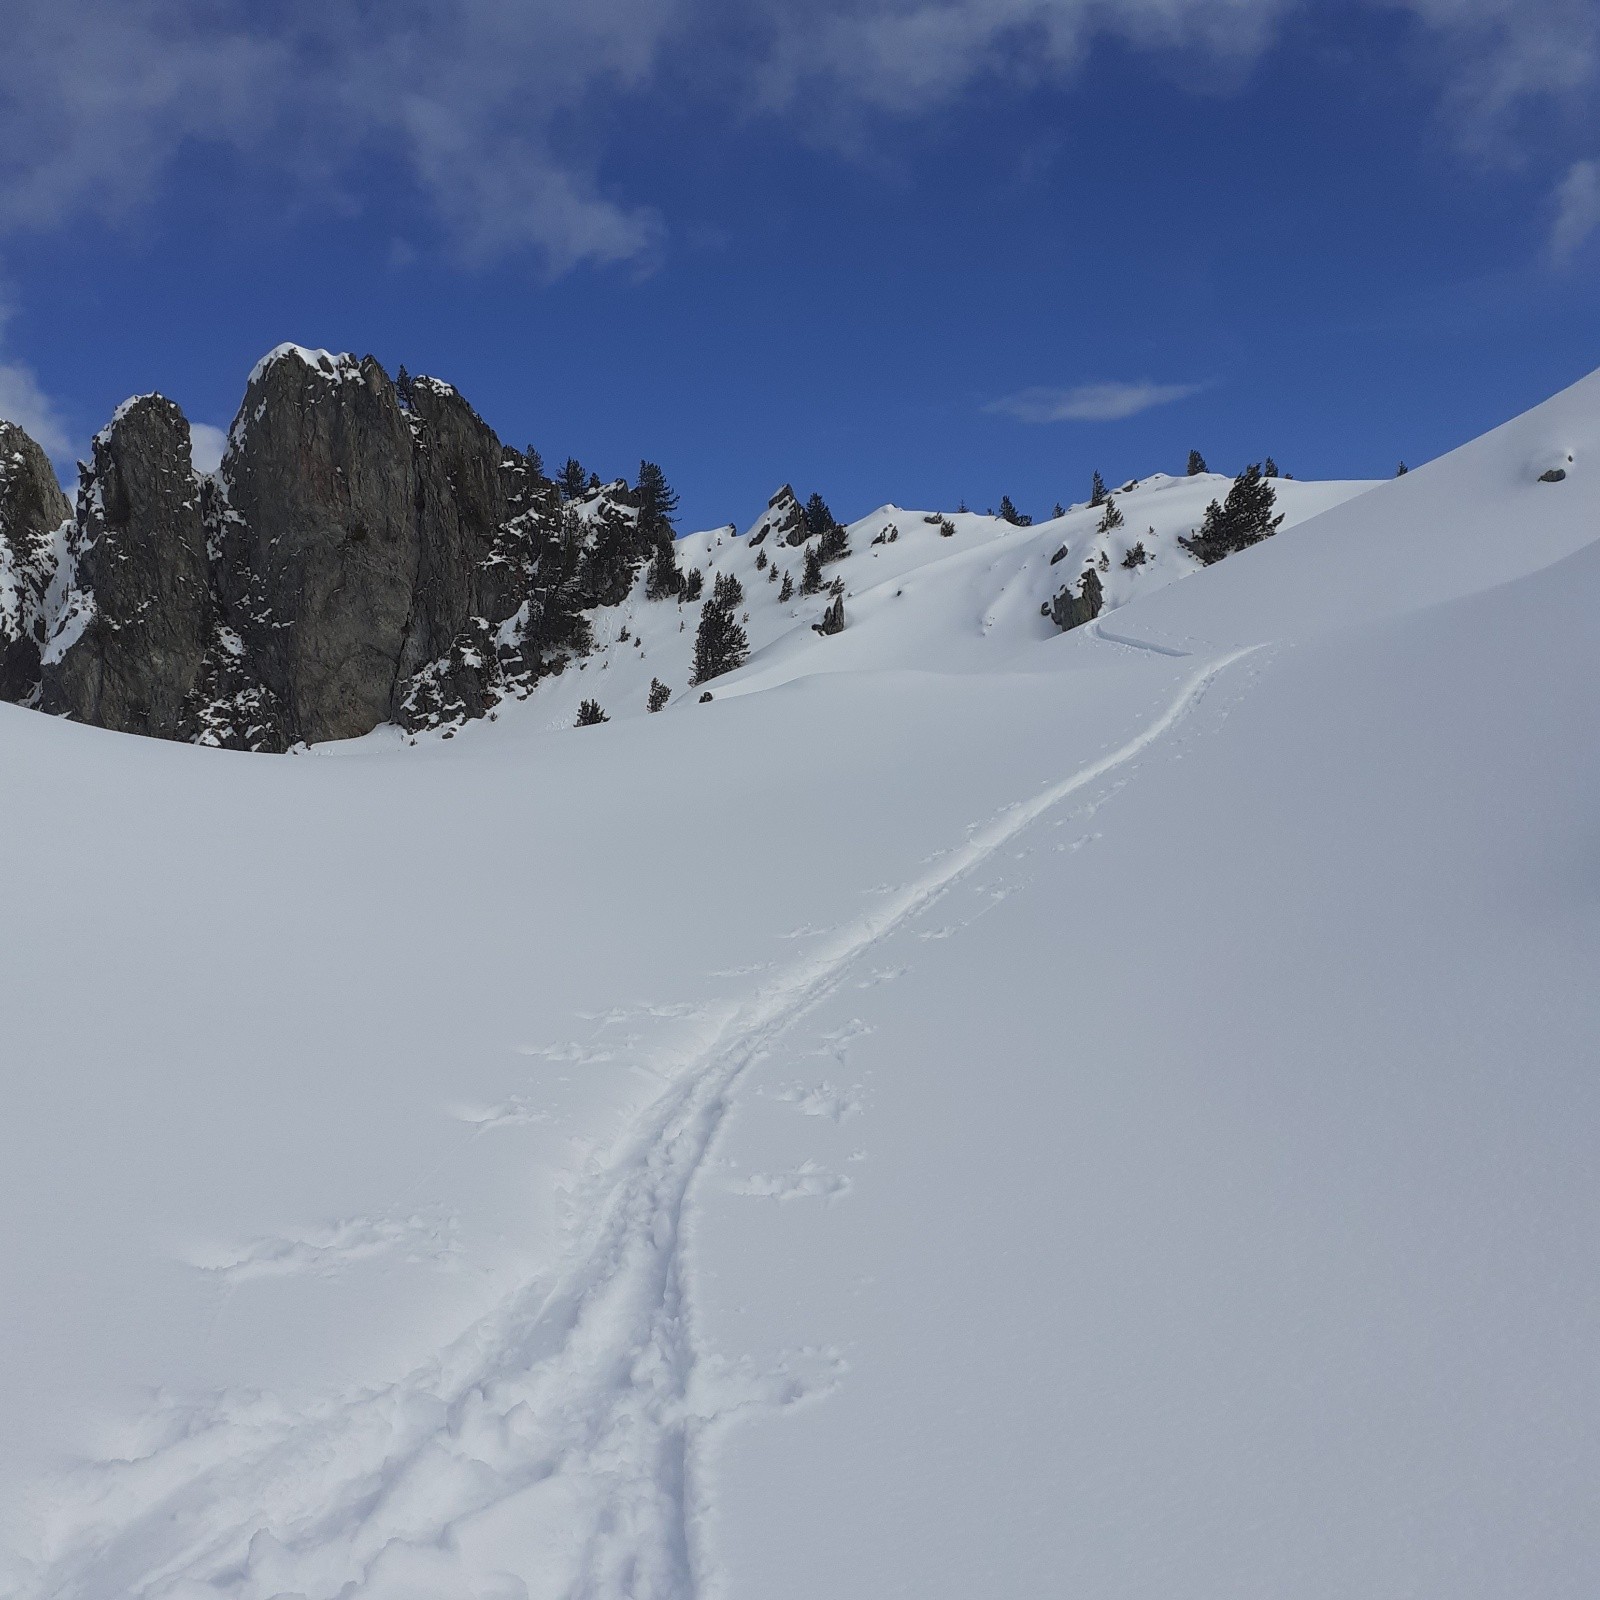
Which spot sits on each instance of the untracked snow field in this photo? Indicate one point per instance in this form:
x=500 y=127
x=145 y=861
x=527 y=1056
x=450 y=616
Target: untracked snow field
x=973 y=1111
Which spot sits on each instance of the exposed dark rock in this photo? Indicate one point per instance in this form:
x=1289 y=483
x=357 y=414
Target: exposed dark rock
x=368 y=553
x=32 y=511
x=832 y=619
x=784 y=519
x=1554 y=475
x=127 y=649
x=1069 y=610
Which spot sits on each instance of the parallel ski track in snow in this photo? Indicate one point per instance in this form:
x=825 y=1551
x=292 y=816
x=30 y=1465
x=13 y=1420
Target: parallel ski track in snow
x=587 y=1380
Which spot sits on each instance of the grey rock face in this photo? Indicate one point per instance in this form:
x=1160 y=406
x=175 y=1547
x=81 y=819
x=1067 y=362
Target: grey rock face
x=784 y=520
x=128 y=648
x=368 y=552
x=32 y=511
x=832 y=619
x=1069 y=610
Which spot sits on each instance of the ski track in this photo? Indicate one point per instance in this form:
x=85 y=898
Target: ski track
x=586 y=1380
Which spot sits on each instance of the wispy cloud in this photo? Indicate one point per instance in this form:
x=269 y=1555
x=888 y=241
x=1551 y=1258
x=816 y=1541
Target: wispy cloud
x=1577 y=200
x=24 y=402
x=501 y=112
x=1090 y=402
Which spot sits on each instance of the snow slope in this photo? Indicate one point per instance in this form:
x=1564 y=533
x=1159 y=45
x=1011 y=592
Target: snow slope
x=962 y=602
x=972 y=1110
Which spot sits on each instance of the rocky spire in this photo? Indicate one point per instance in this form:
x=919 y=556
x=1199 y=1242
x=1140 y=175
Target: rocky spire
x=363 y=555
x=34 y=514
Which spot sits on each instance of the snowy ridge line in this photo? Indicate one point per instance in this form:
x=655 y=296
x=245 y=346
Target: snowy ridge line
x=586 y=1382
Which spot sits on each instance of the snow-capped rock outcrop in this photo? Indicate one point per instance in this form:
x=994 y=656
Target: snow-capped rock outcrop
x=368 y=552
x=32 y=511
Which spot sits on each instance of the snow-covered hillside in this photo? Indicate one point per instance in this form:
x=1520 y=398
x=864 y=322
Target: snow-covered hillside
x=975 y=1110
x=923 y=590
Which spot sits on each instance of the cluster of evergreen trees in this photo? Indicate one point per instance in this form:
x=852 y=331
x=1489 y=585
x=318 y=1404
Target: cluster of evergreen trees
x=1243 y=519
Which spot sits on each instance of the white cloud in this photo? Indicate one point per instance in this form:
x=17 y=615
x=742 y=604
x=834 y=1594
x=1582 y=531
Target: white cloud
x=1577 y=200
x=498 y=109
x=24 y=403
x=1090 y=402
x=206 y=445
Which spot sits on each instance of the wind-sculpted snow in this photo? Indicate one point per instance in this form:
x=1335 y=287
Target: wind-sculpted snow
x=583 y=1386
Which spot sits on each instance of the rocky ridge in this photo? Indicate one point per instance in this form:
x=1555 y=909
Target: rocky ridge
x=368 y=552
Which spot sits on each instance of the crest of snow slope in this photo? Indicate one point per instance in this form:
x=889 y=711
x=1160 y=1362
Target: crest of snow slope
x=1118 y=1124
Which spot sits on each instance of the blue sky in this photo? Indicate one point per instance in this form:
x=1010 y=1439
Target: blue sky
x=910 y=250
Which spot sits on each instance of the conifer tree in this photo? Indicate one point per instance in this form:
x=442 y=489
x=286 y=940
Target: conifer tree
x=811 y=577
x=694 y=581
x=664 y=581
x=1111 y=517
x=1244 y=519
x=656 y=502
x=1197 y=464
x=1009 y=513
x=786 y=592
x=818 y=518
x=1097 y=491
x=535 y=463
x=1059 y=512
x=834 y=545
x=659 y=695
x=574 y=481
x=1269 y=468
x=720 y=644
x=590 y=715
x=1402 y=470
x=761 y=561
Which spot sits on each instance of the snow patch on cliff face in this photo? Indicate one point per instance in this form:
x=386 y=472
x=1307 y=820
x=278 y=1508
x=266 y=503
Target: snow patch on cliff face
x=972 y=1110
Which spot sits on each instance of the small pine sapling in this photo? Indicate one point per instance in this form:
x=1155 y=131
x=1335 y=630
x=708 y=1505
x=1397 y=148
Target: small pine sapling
x=659 y=695
x=1111 y=517
x=1097 y=491
x=590 y=715
x=786 y=593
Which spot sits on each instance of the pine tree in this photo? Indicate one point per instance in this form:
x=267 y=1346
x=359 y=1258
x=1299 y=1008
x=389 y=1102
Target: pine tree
x=720 y=644
x=535 y=463
x=786 y=592
x=694 y=581
x=656 y=502
x=834 y=545
x=1097 y=491
x=1137 y=555
x=1402 y=470
x=1112 y=516
x=818 y=517
x=664 y=581
x=659 y=695
x=1059 y=512
x=1269 y=468
x=574 y=481
x=590 y=715
x=1009 y=513
x=761 y=562
x=1197 y=464
x=727 y=591
x=1244 y=519
x=811 y=577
